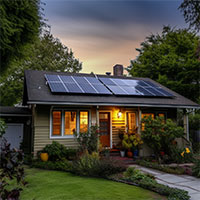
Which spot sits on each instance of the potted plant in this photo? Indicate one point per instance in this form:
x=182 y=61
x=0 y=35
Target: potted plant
x=137 y=141
x=121 y=146
x=44 y=156
x=127 y=144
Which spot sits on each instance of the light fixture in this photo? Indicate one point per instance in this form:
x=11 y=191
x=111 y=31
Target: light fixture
x=119 y=114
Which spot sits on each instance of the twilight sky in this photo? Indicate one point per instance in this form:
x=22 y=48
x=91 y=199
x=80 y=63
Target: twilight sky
x=102 y=33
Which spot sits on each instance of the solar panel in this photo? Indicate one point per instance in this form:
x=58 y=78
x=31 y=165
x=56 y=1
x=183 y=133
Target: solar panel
x=101 y=89
x=57 y=87
x=67 y=79
x=73 y=88
x=50 y=77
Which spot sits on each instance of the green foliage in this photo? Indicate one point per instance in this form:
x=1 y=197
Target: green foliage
x=167 y=169
x=131 y=141
x=196 y=169
x=47 y=53
x=170 y=59
x=92 y=165
x=148 y=182
x=20 y=22
x=11 y=168
x=159 y=135
x=57 y=151
x=191 y=13
x=62 y=165
x=2 y=127
x=88 y=141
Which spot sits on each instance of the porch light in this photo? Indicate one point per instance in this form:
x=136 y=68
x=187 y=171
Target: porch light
x=119 y=114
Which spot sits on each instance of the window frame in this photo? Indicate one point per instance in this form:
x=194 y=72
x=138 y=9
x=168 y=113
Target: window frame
x=77 y=110
x=136 y=119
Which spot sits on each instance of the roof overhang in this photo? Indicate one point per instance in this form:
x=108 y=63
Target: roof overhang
x=113 y=104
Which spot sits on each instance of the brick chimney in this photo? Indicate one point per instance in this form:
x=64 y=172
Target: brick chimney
x=118 y=70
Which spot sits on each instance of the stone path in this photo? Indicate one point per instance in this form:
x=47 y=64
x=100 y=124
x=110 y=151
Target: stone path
x=185 y=182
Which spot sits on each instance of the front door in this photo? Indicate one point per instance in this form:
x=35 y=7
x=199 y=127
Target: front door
x=104 y=123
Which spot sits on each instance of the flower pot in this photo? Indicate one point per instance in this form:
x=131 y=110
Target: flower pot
x=129 y=154
x=136 y=153
x=44 y=157
x=122 y=153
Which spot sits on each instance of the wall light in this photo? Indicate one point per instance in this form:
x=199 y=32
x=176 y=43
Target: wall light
x=119 y=114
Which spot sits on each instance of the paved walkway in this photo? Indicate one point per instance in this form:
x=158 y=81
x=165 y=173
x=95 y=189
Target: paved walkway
x=185 y=182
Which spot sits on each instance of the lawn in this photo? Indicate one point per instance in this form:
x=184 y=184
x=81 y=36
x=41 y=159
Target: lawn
x=55 y=185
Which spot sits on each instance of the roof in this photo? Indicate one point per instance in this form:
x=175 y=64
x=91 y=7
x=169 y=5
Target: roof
x=36 y=91
x=14 y=111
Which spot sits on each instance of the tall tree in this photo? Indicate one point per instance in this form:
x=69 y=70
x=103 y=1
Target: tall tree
x=47 y=53
x=20 y=22
x=191 y=13
x=170 y=58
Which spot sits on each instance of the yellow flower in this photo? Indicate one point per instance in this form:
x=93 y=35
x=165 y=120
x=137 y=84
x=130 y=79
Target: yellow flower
x=182 y=154
x=187 y=150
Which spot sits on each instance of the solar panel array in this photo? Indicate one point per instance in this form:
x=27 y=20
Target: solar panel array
x=134 y=87
x=103 y=85
x=75 y=84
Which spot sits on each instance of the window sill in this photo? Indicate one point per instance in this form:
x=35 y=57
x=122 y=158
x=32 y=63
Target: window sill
x=62 y=137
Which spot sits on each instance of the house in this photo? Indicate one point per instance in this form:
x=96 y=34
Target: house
x=63 y=102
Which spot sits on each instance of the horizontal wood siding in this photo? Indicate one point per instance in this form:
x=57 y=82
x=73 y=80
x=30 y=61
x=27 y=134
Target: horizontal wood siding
x=42 y=130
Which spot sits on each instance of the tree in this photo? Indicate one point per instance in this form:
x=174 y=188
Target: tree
x=191 y=13
x=170 y=59
x=20 y=22
x=47 y=53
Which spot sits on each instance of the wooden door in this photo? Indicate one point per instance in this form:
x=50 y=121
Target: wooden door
x=104 y=123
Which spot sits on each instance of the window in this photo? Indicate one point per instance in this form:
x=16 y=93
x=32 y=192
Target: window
x=65 y=122
x=56 y=123
x=70 y=122
x=83 y=121
x=131 y=122
x=146 y=115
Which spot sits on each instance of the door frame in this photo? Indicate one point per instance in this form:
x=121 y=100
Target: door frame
x=109 y=111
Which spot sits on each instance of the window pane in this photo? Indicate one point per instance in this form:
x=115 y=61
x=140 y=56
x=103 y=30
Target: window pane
x=131 y=119
x=70 y=122
x=146 y=115
x=56 y=123
x=83 y=121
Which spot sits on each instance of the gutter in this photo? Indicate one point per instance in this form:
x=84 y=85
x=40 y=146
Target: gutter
x=112 y=104
x=15 y=115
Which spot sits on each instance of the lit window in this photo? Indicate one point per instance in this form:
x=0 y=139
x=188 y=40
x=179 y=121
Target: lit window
x=56 y=123
x=83 y=121
x=146 y=115
x=131 y=122
x=70 y=122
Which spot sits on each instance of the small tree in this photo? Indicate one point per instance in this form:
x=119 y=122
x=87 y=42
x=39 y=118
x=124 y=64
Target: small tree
x=159 y=135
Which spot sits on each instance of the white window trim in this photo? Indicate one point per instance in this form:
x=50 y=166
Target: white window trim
x=126 y=119
x=62 y=136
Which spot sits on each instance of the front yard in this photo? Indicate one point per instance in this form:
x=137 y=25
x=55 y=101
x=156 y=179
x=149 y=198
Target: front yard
x=45 y=184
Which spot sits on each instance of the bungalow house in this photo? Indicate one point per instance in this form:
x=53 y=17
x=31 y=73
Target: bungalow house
x=64 y=102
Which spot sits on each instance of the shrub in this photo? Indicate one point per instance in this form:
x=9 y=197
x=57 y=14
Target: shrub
x=88 y=141
x=11 y=168
x=57 y=151
x=2 y=127
x=63 y=165
x=145 y=181
x=92 y=165
x=159 y=135
x=196 y=169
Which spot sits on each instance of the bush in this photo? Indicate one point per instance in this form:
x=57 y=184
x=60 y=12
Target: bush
x=92 y=165
x=88 y=141
x=2 y=127
x=159 y=135
x=196 y=169
x=63 y=165
x=145 y=181
x=57 y=151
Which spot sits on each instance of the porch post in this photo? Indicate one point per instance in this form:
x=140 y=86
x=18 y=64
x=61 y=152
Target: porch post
x=97 y=116
x=186 y=125
x=139 y=120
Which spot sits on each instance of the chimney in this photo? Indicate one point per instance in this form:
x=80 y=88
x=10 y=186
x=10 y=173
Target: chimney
x=118 y=70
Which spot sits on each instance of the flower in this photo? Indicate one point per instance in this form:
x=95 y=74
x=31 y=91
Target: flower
x=182 y=154
x=187 y=150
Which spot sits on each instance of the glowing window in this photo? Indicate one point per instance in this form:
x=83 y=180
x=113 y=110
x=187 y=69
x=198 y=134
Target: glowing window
x=70 y=122
x=83 y=121
x=131 y=122
x=56 y=123
x=146 y=115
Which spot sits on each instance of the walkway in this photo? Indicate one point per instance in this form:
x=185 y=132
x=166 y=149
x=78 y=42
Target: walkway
x=185 y=182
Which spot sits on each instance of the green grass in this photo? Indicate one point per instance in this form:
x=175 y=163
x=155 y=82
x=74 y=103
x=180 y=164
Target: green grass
x=55 y=185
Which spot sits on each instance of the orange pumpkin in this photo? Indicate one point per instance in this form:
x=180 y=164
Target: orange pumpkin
x=44 y=157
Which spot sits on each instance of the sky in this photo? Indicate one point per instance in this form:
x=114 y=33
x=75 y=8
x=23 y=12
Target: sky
x=102 y=33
